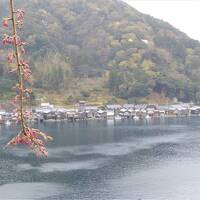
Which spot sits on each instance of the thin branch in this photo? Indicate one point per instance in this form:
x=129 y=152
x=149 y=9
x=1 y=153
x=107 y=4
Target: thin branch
x=19 y=66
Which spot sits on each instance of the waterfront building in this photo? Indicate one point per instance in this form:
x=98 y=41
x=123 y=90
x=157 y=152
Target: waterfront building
x=110 y=114
x=114 y=107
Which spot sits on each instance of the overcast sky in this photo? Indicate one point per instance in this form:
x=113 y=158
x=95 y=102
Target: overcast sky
x=183 y=14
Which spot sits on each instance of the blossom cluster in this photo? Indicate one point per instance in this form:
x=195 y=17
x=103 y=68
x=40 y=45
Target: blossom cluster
x=34 y=139
x=30 y=137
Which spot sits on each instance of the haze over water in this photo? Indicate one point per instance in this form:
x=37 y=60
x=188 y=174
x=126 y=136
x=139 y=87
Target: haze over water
x=157 y=159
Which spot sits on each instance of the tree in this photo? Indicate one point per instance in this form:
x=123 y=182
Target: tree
x=115 y=80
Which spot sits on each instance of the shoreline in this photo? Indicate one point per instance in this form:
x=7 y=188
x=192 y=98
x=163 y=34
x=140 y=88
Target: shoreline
x=98 y=119
x=83 y=112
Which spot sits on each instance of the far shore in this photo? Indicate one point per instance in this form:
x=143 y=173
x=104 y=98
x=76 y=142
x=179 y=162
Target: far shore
x=84 y=112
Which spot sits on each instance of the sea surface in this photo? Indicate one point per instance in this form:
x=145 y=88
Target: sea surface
x=158 y=159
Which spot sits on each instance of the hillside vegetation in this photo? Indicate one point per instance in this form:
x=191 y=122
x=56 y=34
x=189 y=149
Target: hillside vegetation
x=104 y=51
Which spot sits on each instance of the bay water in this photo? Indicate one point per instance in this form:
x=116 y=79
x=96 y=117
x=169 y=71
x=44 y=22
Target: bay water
x=157 y=159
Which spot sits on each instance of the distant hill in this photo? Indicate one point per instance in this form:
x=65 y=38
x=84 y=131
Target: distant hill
x=104 y=50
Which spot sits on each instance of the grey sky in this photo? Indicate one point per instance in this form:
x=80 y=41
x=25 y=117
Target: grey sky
x=183 y=14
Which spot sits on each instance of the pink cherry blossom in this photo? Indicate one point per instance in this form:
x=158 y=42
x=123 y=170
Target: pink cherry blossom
x=11 y=57
x=23 y=50
x=5 y=22
x=8 y=40
x=32 y=138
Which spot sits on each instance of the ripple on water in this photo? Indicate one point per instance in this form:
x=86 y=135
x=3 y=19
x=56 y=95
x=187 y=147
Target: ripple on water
x=64 y=167
x=115 y=149
x=174 y=180
x=22 y=191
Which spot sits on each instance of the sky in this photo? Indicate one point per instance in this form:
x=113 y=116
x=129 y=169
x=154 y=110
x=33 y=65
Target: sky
x=183 y=14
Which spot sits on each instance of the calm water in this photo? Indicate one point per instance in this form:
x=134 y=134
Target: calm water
x=155 y=160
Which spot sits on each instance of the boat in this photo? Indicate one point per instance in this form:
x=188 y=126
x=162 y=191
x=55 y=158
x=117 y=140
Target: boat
x=147 y=117
x=1 y=120
x=117 y=117
x=8 y=122
x=136 y=117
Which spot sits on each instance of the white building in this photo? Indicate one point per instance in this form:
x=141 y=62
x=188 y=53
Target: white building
x=110 y=114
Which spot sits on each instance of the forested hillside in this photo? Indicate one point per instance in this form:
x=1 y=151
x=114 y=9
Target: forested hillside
x=104 y=50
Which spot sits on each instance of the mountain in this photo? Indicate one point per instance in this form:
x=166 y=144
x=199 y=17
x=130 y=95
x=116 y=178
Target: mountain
x=104 y=51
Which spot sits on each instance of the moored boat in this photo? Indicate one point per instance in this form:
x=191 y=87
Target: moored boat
x=8 y=122
x=117 y=117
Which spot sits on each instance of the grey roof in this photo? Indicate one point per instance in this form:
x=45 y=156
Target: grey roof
x=163 y=107
x=2 y=112
x=91 y=108
x=127 y=106
x=114 y=106
x=152 y=106
x=43 y=110
x=140 y=106
x=61 y=110
x=195 y=108
x=178 y=107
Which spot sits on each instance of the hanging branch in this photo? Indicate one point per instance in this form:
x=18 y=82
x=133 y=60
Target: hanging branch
x=19 y=67
x=33 y=138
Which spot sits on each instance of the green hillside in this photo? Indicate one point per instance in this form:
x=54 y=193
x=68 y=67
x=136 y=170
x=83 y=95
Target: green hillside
x=104 y=51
